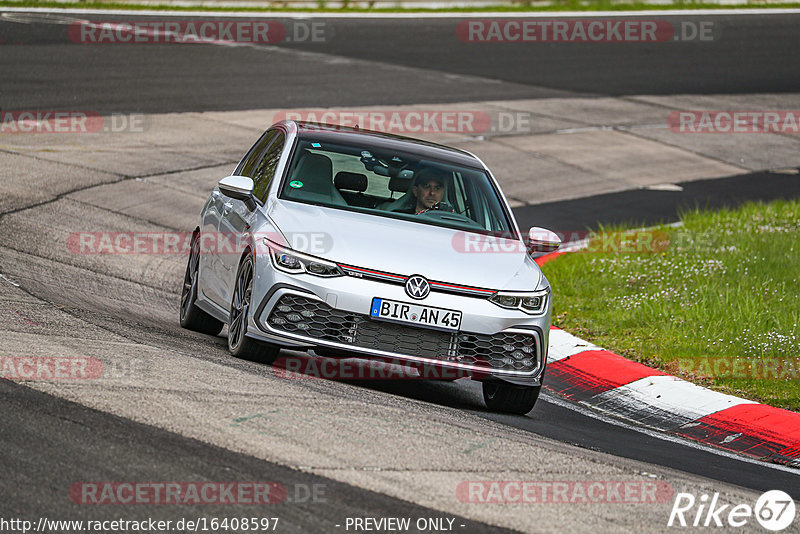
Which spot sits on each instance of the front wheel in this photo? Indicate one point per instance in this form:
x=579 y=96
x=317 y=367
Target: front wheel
x=508 y=398
x=239 y=344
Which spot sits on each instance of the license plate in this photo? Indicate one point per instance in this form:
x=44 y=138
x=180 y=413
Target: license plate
x=415 y=314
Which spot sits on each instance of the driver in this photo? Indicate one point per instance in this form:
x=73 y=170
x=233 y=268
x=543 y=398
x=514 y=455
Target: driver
x=428 y=189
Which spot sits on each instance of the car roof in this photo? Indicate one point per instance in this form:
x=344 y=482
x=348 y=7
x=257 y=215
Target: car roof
x=382 y=140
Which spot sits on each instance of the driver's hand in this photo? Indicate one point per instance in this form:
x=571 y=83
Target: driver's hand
x=439 y=206
x=443 y=206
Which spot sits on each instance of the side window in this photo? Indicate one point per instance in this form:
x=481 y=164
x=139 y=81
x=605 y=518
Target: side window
x=254 y=156
x=265 y=170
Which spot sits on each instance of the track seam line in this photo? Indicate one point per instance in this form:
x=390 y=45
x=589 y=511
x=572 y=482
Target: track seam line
x=123 y=214
x=689 y=151
x=82 y=268
x=633 y=99
x=120 y=178
x=550 y=158
x=571 y=119
x=27 y=154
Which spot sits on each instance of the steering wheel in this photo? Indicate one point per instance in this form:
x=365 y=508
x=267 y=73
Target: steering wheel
x=442 y=214
x=439 y=206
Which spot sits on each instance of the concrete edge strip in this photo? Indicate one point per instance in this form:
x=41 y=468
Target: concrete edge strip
x=582 y=372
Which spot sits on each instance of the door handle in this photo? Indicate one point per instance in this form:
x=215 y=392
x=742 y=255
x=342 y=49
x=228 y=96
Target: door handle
x=227 y=207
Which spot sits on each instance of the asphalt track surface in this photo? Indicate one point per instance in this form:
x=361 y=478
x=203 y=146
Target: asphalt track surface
x=49 y=445
x=647 y=207
x=43 y=69
x=43 y=436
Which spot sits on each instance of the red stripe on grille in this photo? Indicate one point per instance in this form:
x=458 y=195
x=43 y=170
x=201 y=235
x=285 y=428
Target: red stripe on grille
x=404 y=278
x=462 y=287
x=372 y=272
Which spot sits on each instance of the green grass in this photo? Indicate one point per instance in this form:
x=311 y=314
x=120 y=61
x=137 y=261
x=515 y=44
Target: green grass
x=554 y=6
x=724 y=291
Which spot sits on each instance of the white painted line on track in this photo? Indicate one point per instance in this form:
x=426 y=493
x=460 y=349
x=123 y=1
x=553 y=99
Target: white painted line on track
x=412 y=15
x=4 y=277
x=588 y=412
x=673 y=395
x=563 y=345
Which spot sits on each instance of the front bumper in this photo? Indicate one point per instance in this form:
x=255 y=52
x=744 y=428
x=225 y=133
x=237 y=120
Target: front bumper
x=306 y=311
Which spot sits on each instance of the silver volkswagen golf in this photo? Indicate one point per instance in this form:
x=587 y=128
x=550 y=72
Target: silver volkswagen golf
x=351 y=243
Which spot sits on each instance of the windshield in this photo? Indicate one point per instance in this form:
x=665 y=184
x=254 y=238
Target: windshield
x=394 y=184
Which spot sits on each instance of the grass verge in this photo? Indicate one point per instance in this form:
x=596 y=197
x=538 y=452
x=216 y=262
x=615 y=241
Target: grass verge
x=718 y=305
x=555 y=7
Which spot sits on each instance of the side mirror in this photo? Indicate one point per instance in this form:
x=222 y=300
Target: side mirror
x=541 y=240
x=239 y=188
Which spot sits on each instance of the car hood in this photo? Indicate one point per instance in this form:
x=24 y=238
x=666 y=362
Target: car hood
x=405 y=248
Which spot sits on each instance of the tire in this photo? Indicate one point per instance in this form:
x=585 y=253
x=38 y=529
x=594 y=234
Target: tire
x=192 y=317
x=507 y=398
x=239 y=344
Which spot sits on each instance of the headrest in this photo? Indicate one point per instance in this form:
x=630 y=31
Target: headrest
x=350 y=181
x=315 y=171
x=398 y=184
x=314 y=164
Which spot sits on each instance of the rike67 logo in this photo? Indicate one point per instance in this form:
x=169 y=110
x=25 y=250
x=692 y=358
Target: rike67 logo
x=774 y=510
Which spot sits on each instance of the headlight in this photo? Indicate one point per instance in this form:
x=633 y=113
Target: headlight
x=533 y=303
x=289 y=261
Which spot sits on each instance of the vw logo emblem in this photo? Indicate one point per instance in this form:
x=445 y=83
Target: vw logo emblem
x=417 y=287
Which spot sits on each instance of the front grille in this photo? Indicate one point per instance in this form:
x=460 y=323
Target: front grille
x=402 y=339
x=314 y=319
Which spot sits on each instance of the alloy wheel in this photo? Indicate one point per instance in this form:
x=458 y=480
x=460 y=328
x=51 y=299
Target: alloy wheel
x=240 y=305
